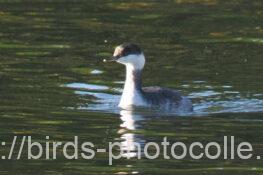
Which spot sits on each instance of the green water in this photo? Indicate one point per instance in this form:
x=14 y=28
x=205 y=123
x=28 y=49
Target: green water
x=53 y=81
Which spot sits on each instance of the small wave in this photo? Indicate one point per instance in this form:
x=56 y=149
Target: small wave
x=206 y=101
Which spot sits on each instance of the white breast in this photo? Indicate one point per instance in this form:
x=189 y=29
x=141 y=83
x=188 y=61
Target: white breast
x=131 y=97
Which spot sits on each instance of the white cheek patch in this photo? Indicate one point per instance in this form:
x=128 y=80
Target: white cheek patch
x=135 y=61
x=117 y=51
x=139 y=61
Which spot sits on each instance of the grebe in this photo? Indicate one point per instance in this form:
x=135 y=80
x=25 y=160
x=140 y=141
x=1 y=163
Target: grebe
x=134 y=94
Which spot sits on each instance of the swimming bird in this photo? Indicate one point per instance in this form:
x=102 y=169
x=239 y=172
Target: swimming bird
x=134 y=94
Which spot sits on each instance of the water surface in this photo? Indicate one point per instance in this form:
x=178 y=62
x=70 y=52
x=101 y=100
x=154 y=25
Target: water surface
x=53 y=81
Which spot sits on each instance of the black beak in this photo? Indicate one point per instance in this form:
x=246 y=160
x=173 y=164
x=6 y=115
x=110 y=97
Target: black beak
x=111 y=59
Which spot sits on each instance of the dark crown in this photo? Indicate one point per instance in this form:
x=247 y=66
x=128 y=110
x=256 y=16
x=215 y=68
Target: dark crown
x=129 y=49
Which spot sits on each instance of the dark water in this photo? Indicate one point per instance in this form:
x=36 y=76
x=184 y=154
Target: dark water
x=53 y=81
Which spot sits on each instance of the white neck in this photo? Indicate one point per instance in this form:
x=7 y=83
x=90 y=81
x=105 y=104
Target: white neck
x=131 y=95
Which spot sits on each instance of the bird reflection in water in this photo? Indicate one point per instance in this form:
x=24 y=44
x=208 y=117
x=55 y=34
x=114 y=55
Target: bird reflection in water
x=131 y=144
